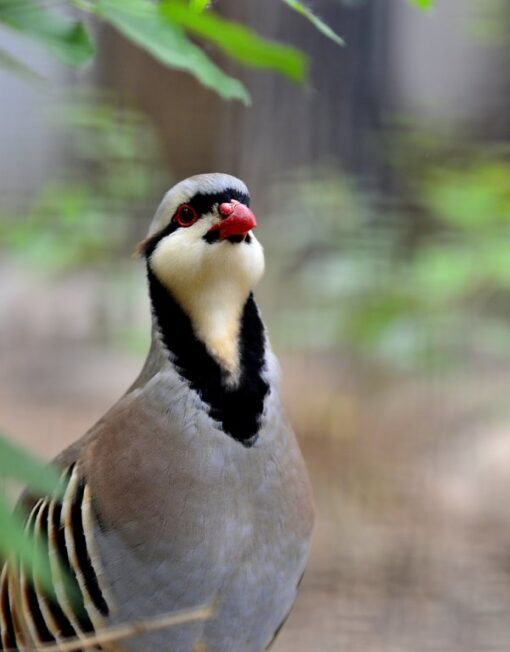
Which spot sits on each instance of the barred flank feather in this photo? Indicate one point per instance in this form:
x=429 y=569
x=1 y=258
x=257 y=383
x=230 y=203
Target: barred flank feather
x=79 y=602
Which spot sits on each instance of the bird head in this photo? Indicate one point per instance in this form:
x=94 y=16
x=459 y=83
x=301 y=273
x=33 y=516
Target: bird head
x=202 y=233
x=201 y=248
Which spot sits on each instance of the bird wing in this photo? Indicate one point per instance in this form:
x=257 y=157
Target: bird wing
x=63 y=526
x=107 y=477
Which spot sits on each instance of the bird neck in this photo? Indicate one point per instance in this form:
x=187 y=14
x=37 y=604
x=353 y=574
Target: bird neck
x=236 y=401
x=217 y=323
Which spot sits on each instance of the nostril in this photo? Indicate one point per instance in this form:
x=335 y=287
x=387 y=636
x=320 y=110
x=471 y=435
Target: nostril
x=226 y=208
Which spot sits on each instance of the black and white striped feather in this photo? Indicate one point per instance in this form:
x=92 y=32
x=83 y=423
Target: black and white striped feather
x=80 y=602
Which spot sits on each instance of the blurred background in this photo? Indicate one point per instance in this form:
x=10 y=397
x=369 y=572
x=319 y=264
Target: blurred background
x=382 y=191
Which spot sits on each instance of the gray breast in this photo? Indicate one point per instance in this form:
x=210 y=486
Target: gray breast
x=228 y=535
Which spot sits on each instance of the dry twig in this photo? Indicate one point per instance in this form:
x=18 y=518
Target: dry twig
x=121 y=632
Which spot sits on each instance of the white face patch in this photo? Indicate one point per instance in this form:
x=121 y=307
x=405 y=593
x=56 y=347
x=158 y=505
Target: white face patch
x=211 y=282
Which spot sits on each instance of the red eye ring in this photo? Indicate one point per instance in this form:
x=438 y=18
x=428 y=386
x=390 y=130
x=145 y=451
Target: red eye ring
x=186 y=215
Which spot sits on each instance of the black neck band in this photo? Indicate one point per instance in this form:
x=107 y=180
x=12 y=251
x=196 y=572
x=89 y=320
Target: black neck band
x=239 y=408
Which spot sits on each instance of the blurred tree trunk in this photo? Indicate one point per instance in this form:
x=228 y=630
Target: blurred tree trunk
x=334 y=119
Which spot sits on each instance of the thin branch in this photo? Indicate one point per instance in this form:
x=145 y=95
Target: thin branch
x=122 y=632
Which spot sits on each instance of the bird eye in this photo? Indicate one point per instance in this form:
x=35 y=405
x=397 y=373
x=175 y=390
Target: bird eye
x=186 y=215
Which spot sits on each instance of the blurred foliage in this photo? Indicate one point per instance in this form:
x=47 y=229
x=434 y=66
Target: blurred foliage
x=474 y=198
x=162 y=29
x=87 y=213
x=17 y=464
x=350 y=275
x=487 y=22
x=65 y=38
x=23 y=467
x=423 y=4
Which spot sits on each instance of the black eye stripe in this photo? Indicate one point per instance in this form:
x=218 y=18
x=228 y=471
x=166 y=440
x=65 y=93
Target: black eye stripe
x=203 y=204
x=152 y=242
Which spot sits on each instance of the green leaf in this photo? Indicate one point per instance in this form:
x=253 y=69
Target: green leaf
x=65 y=38
x=14 y=541
x=16 y=463
x=142 y=23
x=424 y=5
x=237 y=41
x=16 y=66
x=198 y=5
x=16 y=544
x=315 y=20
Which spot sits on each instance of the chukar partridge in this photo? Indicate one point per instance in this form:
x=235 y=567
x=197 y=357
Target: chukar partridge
x=191 y=489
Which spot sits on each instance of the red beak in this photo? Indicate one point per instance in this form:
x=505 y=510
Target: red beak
x=237 y=220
